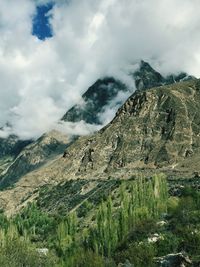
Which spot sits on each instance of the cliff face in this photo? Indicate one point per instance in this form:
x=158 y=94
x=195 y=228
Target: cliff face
x=157 y=130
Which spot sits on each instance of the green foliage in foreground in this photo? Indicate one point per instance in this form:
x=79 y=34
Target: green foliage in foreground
x=17 y=251
x=118 y=231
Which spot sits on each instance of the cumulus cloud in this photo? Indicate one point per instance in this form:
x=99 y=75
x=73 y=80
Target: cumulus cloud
x=40 y=80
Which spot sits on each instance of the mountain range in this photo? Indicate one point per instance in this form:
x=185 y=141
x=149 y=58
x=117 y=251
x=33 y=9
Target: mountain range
x=156 y=129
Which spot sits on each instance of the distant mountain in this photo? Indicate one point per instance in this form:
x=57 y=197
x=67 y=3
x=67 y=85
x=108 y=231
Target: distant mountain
x=146 y=77
x=95 y=99
x=34 y=155
x=10 y=147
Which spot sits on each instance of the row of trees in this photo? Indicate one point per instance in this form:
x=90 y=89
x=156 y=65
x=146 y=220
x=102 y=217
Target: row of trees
x=143 y=199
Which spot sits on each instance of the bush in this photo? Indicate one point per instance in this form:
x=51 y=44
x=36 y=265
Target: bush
x=16 y=252
x=88 y=258
x=169 y=244
x=139 y=254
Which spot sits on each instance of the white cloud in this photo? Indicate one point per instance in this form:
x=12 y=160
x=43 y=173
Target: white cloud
x=40 y=80
x=77 y=128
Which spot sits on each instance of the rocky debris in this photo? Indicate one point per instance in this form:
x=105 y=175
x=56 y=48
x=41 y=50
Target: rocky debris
x=161 y=223
x=43 y=251
x=177 y=186
x=174 y=260
x=126 y=264
x=196 y=175
x=154 y=238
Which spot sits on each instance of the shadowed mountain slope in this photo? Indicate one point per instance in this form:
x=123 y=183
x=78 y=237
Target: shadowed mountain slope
x=34 y=155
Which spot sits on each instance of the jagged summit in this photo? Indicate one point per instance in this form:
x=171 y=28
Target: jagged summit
x=104 y=91
x=146 y=77
x=96 y=98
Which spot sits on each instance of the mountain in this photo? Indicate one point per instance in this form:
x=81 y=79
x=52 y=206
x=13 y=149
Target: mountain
x=10 y=147
x=50 y=145
x=96 y=99
x=104 y=93
x=146 y=77
x=20 y=158
x=35 y=155
x=156 y=130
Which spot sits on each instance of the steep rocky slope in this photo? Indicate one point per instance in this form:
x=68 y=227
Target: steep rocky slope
x=15 y=162
x=157 y=130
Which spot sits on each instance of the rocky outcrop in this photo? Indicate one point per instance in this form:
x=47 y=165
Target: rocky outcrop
x=174 y=260
x=155 y=129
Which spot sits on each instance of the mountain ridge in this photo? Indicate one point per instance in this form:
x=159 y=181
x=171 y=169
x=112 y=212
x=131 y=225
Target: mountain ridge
x=154 y=131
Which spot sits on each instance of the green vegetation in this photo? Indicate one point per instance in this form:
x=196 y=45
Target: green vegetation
x=116 y=230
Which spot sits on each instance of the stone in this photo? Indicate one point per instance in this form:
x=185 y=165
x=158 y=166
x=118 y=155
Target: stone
x=174 y=260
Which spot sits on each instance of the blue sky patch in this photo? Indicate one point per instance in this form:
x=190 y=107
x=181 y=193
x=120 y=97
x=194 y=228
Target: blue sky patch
x=41 y=27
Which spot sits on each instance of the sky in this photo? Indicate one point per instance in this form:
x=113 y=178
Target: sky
x=52 y=51
x=41 y=26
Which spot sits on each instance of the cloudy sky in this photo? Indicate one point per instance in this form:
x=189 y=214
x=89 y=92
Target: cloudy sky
x=52 y=51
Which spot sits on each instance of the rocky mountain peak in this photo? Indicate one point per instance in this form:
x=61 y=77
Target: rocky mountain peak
x=95 y=99
x=146 y=77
